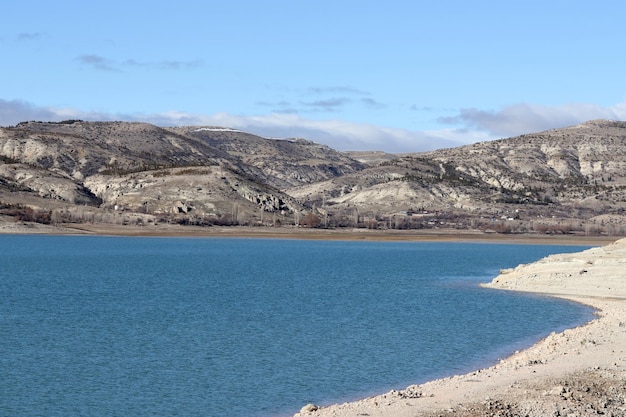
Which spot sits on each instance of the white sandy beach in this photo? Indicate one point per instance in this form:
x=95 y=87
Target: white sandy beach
x=578 y=372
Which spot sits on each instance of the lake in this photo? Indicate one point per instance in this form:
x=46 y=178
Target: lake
x=95 y=326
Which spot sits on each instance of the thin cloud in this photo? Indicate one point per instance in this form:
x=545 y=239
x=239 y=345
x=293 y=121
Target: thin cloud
x=337 y=89
x=328 y=105
x=179 y=65
x=97 y=62
x=29 y=36
x=371 y=103
x=15 y=111
x=524 y=118
x=104 y=64
x=279 y=107
x=415 y=107
x=164 y=65
x=332 y=99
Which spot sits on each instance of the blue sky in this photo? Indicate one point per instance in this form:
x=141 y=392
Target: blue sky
x=356 y=75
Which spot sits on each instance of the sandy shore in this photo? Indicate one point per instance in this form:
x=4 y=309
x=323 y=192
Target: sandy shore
x=578 y=372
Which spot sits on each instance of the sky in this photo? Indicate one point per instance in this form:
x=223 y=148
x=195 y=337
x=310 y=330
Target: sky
x=396 y=76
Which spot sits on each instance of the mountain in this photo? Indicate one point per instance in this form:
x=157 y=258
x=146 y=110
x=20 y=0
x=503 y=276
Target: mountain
x=201 y=175
x=572 y=175
x=278 y=162
x=557 y=181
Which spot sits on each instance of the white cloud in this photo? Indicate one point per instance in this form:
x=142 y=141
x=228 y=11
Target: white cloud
x=474 y=125
x=518 y=119
x=14 y=111
x=338 y=134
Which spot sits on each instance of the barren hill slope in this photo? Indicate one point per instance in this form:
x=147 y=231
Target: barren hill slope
x=279 y=162
x=560 y=180
x=577 y=172
x=202 y=174
x=81 y=148
x=592 y=151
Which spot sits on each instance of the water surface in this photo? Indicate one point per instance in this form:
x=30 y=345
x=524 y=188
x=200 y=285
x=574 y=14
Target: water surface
x=96 y=326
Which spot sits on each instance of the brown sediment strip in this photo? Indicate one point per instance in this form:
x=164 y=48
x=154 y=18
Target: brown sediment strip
x=433 y=235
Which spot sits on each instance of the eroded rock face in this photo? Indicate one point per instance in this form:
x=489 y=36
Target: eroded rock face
x=280 y=163
x=132 y=165
x=46 y=184
x=593 y=151
x=582 y=166
x=194 y=190
x=572 y=173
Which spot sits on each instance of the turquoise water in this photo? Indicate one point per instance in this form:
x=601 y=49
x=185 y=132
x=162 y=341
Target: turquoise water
x=95 y=326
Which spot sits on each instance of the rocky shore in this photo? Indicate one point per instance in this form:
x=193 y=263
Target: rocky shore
x=578 y=372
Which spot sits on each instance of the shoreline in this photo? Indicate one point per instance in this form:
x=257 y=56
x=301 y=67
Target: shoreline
x=566 y=372
x=578 y=371
x=427 y=235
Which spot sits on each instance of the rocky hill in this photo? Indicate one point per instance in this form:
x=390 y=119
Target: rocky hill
x=557 y=181
x=280 y=163
x=202 y=175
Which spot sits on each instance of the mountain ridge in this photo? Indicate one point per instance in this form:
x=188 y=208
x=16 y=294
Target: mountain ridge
x=564 y=180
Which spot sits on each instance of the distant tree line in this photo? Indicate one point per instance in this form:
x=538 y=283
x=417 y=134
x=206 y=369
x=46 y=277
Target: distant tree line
x=62 y=122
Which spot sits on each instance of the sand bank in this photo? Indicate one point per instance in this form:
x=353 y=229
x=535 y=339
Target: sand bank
x=578 y=372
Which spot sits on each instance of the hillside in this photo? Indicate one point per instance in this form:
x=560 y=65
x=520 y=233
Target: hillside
x=95 y=170
x=557 y=181
x=571 y=178
x=278 y=162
